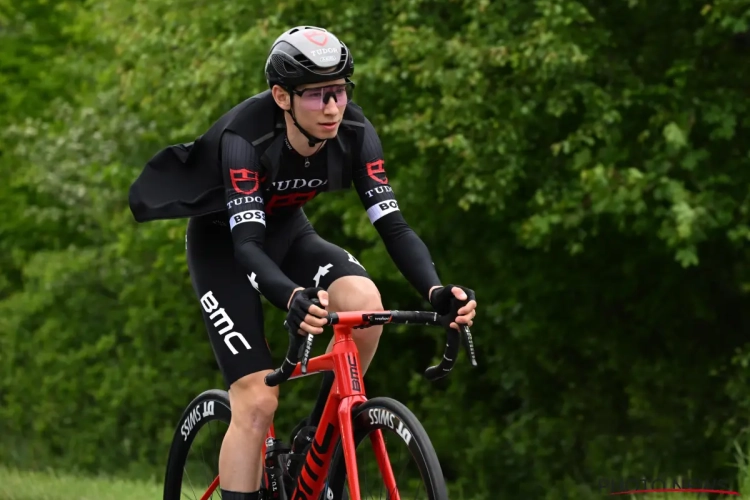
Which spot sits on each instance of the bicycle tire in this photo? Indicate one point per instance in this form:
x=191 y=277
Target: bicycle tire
x=208 y=406
x=419 y=445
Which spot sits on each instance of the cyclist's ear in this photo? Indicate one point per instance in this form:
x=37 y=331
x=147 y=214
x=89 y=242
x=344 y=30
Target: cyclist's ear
x=281 y=97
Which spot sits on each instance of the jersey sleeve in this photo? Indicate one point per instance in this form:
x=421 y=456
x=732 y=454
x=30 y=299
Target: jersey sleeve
x=242 y=171
x=405 y=247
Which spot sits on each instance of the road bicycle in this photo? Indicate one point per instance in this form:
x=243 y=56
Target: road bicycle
x=321 y=462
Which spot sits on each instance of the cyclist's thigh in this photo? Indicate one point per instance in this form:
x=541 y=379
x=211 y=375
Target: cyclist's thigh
x=231 y=307
x=313 y=261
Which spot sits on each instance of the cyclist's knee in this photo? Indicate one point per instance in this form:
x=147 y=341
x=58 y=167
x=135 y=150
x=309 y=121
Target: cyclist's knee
x=253 y=403
x=354 y=293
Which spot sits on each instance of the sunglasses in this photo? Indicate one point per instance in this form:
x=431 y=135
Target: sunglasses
x=315 y=99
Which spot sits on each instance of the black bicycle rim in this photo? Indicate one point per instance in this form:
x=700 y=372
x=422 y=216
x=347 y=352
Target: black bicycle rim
x=209 y=406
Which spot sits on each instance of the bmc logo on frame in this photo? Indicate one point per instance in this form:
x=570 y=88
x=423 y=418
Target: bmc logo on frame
x=220 y=317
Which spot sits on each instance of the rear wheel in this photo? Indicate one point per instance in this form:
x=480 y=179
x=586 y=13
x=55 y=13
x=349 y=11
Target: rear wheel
x=193 y=464
x=413 y=460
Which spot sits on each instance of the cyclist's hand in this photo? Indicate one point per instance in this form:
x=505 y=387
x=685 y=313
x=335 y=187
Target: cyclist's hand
x=442 y=297
x=305 y=317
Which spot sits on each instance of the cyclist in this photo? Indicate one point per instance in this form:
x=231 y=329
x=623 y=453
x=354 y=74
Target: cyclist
x=242 y=185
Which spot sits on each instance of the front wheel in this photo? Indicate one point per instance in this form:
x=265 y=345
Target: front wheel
x=420 y=477
x=193 y=464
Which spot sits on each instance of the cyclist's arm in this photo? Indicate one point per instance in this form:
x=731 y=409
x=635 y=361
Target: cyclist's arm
x=407 y=250
x=247 y=219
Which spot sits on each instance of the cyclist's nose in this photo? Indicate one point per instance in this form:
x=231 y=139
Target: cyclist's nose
x=331 y=108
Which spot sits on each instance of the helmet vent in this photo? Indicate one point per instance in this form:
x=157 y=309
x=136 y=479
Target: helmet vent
x=304 y=61
x=281 y=66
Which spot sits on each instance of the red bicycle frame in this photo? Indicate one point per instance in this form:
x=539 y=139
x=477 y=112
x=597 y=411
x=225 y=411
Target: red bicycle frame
x=348 y=393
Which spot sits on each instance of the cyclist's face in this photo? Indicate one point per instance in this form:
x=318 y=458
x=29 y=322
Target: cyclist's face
x=320 y=108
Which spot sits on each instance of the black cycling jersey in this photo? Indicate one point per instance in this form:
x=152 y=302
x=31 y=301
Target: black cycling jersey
x=255 y=205
x=244 y=188
x=263 y=186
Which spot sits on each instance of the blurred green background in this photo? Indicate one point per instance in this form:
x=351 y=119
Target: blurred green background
x=583 y=165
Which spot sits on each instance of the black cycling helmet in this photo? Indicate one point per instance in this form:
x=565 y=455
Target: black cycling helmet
x=307 y=54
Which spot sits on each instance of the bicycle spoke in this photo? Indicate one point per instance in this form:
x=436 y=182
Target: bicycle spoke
x=191 y=483
x=396 y=482
x=382 y=483
x=207 y=461
x=403 y=474
x=203 y=456
x=420 y=487
x=402 y=471
x=366 y=488
x=214 y=454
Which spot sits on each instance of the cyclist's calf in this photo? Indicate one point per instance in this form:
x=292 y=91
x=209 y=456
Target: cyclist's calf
x=356 y=293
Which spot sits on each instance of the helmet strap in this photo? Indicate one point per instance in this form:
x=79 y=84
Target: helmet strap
x=311 y=139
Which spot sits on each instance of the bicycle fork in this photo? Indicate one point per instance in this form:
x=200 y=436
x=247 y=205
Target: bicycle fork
x=346 y=408
x=337 y=422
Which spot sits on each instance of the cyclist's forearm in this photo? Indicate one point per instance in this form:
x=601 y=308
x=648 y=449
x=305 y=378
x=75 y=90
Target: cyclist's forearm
x=409 y=253
x=265 y=275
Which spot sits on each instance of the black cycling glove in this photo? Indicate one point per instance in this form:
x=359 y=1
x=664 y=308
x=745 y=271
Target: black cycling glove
x=442 y=299
x=299 y=307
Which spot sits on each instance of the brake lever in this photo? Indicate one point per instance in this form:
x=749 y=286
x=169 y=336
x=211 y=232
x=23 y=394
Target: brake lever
x=467 y=340
x=468 y=343
x=307 y=347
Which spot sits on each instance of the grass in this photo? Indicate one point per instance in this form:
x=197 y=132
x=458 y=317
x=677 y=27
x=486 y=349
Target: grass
x=16 y=485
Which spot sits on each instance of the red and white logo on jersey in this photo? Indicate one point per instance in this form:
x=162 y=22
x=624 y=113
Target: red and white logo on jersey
x=289 y=200
x=376 y=171
x=244 y=181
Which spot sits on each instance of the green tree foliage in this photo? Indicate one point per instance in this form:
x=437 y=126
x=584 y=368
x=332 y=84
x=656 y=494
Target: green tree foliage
x=584 y=166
